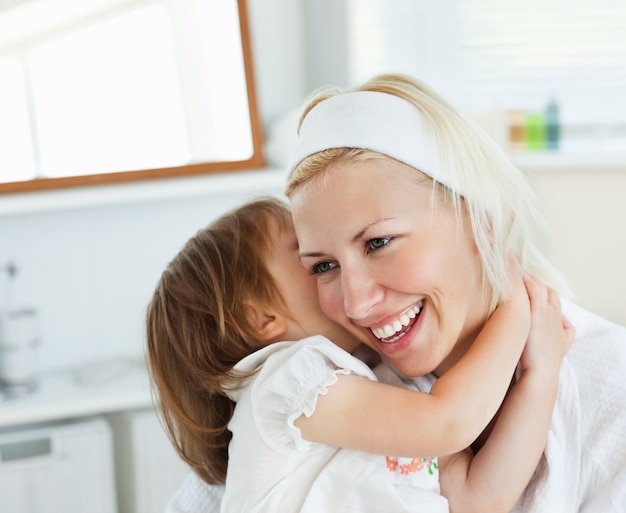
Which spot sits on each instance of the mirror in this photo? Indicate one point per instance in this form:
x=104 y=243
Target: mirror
x=108 y=91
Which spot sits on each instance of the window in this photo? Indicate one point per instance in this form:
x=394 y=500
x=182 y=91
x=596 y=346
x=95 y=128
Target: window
x=16 y=158
x=496 y=58
x=105 y=72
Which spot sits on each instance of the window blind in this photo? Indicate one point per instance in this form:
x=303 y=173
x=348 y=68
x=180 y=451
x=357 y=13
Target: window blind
x=494 y=55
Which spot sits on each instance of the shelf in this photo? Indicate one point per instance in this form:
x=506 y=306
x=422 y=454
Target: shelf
x=268 y=180
x=570 y=161
x=148 y=190
x=98 y=388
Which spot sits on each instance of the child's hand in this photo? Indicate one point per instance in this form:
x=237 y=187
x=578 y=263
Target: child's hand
x=551 y=334
x=518 y=301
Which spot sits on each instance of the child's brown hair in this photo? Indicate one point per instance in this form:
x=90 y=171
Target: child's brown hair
x=197 y=328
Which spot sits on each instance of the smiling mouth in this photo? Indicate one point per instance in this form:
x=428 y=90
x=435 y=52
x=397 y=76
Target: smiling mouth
x=396 y=329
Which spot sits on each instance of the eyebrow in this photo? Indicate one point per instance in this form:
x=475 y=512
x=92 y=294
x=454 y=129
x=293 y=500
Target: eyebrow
x=357 y=237
x=313 y=254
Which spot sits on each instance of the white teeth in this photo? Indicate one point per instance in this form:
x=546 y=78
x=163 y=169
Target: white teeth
x=396 y=325
x=388 y=330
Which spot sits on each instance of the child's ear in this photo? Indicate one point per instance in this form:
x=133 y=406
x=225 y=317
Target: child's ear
x=270 y=325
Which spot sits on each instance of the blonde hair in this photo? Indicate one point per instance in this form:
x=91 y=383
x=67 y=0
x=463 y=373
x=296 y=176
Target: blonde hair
x=197 y=329
x=499 y=201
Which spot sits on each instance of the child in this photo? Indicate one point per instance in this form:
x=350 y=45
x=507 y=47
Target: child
x=221 y=332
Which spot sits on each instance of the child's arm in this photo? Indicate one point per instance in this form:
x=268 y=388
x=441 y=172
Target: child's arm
x=366 y=415
x=494 y=479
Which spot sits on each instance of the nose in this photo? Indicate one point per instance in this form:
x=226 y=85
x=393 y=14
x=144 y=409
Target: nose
x=361 y=292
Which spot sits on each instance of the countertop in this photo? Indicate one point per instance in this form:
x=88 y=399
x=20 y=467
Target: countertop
x=92 y=389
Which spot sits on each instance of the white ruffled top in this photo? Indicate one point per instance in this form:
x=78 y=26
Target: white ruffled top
x=272 y=468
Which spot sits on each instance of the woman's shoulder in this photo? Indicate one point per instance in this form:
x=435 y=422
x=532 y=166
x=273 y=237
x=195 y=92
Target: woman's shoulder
x=195 y=496
x=592 y=328
x=599 y=349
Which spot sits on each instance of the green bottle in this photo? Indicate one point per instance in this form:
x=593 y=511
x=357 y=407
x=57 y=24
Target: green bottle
x=535 y=131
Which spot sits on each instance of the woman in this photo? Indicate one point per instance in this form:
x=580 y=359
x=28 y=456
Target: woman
x=399 y=202
x=395 y=168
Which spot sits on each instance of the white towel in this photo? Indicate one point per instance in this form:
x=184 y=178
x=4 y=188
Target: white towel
x=196 y=496
x=584 y=466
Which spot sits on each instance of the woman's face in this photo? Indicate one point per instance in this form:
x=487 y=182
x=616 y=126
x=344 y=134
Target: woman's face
x=298 y=289
x=392 y=264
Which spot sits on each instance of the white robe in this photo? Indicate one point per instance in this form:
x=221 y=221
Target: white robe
x=584 y=469
x=584 y=465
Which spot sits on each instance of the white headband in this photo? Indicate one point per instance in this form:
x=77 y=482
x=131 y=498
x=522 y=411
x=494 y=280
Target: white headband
x=375 y=121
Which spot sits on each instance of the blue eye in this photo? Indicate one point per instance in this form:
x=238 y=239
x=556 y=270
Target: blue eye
x=378 y=243
x=323 y=267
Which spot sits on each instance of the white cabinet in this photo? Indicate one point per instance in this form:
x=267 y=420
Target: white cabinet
x=87 y=441
x=147 y=468
x=57 y=468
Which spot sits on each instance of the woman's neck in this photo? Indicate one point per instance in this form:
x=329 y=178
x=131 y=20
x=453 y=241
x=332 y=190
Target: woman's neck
x=459 y=350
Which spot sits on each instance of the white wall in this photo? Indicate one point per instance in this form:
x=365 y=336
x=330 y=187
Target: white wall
x=90 y=271
x=89 y=259
x=586 y=214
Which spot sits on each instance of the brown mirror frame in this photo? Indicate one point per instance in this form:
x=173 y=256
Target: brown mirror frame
x=257 y=159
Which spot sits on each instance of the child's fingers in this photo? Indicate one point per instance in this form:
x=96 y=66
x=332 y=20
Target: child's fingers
x=570 y=331
x=537 y=291
x=554 y=298
x=516 y=290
